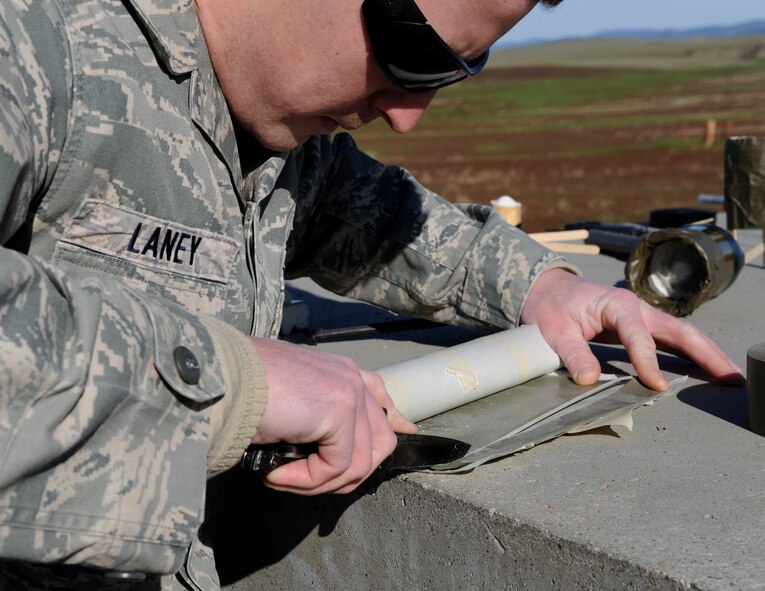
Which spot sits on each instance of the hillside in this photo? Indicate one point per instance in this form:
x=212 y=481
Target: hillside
x=621 y=52
x=737 y=30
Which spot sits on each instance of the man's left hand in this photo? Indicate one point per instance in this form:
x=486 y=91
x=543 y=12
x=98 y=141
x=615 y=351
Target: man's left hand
x=570 y=311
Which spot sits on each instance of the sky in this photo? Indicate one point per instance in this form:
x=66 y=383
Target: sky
x=579 y=18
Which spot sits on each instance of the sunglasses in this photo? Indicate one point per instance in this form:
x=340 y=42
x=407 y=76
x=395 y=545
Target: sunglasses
x=409 y=51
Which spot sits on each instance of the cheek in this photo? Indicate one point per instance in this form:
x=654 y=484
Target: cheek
x=336 y=77
x=348 y=72
x=327 y=90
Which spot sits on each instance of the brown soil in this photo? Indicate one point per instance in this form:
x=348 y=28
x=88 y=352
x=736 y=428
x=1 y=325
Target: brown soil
x=621 y=186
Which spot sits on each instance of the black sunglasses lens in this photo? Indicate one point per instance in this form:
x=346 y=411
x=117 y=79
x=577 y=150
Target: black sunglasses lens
x=428 y=69
x=411 y=53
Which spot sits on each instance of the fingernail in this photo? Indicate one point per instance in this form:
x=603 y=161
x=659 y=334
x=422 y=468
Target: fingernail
x=587 y=375
x=735 y=379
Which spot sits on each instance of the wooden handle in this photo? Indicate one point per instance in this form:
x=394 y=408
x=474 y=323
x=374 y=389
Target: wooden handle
x=573 y=248
x=562 y=236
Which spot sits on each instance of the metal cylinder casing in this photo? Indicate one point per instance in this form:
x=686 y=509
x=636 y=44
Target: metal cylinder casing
x=745 y=182
x=678 y=269
x=755 y=387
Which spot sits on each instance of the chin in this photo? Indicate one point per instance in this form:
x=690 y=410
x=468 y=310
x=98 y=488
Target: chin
x=277 y=138
x=281 y=143
x=285 y=136
x=284 y=143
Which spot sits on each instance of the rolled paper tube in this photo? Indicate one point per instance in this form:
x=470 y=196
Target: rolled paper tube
x=755 y=387
x=439 y=381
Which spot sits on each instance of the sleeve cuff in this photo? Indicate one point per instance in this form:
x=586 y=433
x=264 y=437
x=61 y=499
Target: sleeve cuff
x=502 y=265
x=557 y=263
x=236 y=416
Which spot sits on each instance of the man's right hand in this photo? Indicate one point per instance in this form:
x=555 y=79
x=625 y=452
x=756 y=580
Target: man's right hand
x=324 y=398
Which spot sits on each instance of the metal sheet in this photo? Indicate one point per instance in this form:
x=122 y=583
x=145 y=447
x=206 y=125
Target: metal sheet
x=532 y=413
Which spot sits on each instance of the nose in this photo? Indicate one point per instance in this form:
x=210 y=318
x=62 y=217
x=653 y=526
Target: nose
x=402 y=110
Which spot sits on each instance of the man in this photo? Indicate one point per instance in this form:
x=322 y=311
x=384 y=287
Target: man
x=158 y=176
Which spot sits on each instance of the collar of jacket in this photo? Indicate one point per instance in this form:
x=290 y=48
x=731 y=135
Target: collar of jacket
x=172 y=28
x=173 y=31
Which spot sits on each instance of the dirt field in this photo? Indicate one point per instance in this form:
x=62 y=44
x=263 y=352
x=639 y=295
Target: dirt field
x=577 y=144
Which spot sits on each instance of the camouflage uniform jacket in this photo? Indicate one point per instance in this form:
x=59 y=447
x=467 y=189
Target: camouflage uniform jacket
x=136 y=257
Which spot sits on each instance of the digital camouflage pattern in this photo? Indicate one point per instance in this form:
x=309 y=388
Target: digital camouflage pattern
x=127 y=220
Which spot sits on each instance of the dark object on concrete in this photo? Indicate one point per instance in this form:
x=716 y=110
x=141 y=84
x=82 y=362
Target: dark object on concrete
x=675 y=217
x=678 y=269
x=755 y=387
x=413 y=452
x=745 y=182
x=327 y=335
x=616 y=240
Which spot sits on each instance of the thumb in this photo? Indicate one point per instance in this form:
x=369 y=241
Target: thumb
x=576 y=355
x=398 y=422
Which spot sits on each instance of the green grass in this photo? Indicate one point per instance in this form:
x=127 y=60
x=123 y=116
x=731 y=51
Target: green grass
x=568 y=92
x=479 y=101
x=563 y=101
x=492 y=147
x=596 y=100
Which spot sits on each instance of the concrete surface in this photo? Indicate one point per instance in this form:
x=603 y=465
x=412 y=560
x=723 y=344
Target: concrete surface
x=678 y=503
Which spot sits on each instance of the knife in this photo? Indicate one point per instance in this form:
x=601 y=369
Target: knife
x=326 y=335
x=413 y=452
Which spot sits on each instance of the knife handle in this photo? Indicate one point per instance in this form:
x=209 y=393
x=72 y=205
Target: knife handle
x=266 y=458
x=263 y=459
x=413 y=451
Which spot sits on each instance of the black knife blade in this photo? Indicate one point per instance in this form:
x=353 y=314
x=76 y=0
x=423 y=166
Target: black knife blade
x=418 y=451
x=413 y=452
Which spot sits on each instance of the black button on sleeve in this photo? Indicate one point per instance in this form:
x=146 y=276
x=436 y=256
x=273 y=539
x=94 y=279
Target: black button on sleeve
x=187 y=365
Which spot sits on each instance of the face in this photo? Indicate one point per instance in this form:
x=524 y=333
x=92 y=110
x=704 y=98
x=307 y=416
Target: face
x=310 y=69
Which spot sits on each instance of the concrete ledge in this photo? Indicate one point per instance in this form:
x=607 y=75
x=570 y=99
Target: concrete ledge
x=678 y=503
x=407 y=535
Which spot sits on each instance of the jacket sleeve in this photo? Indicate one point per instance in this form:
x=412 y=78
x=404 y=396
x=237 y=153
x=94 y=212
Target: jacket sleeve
x=376 y=234
x=106 y=395
x=105 y=401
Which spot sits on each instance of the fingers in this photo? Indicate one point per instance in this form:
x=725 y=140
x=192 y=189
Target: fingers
x=339 y=467
x=376 y=385
x=377 y=441
x=624 y=314
x=681 y=338
x=571 y=311
x=575 y=354
x=327 y=399
x=640 y=328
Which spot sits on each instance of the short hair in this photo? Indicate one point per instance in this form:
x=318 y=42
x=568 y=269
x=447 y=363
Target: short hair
x=550 y=3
